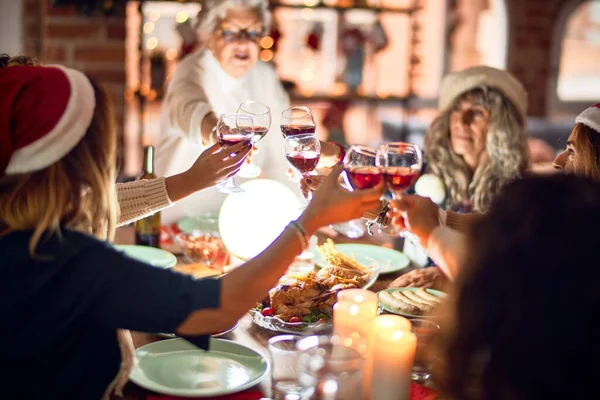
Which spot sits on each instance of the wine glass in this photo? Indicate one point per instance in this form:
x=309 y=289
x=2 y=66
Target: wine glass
x=360 y=168
x=360 y=172
x=303 y=153
x=400 y=165
x=261 y=114
x=297 y=121
x=232 y=129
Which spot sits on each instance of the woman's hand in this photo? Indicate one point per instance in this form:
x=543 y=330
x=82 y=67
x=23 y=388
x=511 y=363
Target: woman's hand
x=333 y=204
x=417 y=214
x=330 y=155
x=214 y=165
x=311 y=183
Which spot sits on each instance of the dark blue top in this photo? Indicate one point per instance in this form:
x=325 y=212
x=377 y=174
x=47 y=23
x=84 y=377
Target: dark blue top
x=59 y=314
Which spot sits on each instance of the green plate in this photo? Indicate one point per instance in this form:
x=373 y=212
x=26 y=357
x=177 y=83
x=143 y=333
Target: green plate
x=366 y=254
x=208 y=222
x=150 y=255
x=177 y=367
x=434 y=292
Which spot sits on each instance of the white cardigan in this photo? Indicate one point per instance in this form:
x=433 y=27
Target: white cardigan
x=198 y=86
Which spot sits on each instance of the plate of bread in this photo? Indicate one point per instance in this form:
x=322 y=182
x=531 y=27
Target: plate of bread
x=412 y=302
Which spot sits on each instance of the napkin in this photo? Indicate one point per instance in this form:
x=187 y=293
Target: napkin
x=247 y=395
x=420 y=392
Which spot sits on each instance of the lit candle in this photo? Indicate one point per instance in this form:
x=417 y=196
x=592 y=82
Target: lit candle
x=358 y=296
x=353 y=313
x=392 y=353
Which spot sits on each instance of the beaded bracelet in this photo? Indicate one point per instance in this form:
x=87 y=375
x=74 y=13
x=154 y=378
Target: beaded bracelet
x=300 y=232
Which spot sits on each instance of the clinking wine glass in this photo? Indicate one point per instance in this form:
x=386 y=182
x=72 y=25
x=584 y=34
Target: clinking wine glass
x=297 y=121
x=400 y=165
x=261 y=115
x=232 y=129
x=303 y=153
x=360 y=168
x=360 y=172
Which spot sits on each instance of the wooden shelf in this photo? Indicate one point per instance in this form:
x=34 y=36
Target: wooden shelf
x=414 y=102
x=338 y=8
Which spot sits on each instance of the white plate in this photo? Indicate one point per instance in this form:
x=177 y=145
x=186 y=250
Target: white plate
x=150 y=255
x=177 y=367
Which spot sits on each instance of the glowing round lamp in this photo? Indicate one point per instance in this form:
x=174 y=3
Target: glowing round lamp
x=250 y=221
x=431 y=186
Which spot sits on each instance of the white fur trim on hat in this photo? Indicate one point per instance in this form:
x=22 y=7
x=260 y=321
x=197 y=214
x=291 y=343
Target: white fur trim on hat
x=590 y=117
x=457 y=83
x=69 y=130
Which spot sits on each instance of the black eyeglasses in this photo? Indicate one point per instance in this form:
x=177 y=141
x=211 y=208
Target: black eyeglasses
x=252 y=35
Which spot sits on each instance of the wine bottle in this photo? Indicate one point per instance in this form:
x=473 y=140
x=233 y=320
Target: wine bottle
x=147 y=230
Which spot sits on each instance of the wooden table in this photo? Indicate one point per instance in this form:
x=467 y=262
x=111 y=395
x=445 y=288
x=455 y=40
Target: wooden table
x=247 y=333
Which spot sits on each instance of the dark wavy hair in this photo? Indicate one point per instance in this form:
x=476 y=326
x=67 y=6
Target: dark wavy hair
x=523 y=322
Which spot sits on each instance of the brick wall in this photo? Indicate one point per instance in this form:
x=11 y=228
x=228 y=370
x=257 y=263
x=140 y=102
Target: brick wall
x=95 y=45
x=532 y=24
x=530 y=40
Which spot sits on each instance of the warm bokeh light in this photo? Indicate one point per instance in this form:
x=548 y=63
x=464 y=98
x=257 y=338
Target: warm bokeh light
x=144 y=89
x=339 y=89
x=171 y=54
x=129 y=94
x=267 y=42
x=266 y=55
x=307 y=13
x=149 y=27
x=311 y=3
x=151 y=43
x=154 y=16
x=152 y=95
x=182 y=16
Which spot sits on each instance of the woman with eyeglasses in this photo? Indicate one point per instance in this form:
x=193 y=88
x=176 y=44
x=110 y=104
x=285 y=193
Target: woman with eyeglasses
x=216 y=79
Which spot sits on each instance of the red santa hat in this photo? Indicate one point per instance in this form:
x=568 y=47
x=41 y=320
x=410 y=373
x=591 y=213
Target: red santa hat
x=590 y=117
x=46 y=111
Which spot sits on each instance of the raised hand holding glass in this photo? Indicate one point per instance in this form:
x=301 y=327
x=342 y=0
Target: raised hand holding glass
x=232 y=129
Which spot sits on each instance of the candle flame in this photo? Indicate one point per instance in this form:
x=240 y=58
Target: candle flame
x=397 y=335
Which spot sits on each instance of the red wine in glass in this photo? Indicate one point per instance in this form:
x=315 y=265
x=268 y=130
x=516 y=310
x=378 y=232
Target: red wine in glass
x=235 y=139
x=364 y=177
x=305 y=161
x=400 y=179
x=293 y=130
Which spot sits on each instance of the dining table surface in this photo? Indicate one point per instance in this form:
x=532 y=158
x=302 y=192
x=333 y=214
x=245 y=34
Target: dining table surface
x=247 y=333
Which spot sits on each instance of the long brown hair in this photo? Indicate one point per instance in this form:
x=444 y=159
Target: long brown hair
x=587 y=147
x=76 y=192
x=506 y=147
x=522 y=322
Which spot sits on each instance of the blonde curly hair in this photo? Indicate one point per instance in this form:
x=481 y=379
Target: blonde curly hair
x=506 y=148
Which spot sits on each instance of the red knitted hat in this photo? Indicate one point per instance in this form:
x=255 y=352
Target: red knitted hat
x=45 y=113
x=590 y=117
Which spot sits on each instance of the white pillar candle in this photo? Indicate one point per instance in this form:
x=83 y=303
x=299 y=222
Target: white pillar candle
x=391 y=357
x=358 y=296
x=353 y=313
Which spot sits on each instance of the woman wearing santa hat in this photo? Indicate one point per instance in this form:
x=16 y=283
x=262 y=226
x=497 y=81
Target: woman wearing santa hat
x=65 y=291
x=447 y=246
x=141 y=198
